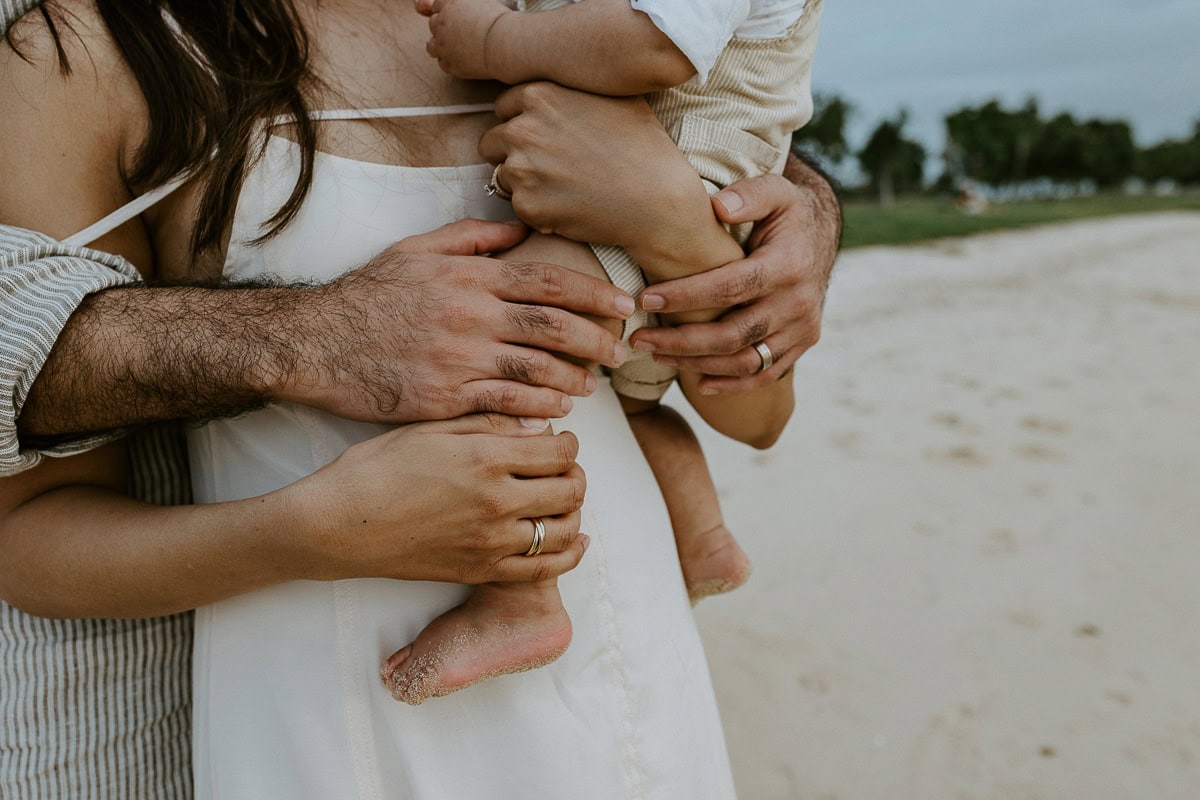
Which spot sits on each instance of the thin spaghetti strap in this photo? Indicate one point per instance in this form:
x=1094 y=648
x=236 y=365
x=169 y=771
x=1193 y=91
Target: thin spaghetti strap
x=135 y=207
x=328 y=115
x=123 y=214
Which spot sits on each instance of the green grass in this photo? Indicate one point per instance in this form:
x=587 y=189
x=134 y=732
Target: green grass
x=922 y=218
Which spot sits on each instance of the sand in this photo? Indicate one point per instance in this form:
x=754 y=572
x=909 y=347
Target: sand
x=977 y=546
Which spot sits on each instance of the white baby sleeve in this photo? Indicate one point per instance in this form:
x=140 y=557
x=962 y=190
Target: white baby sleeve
x=699 y=28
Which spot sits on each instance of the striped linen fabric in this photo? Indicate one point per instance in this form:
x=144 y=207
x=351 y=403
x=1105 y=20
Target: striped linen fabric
x=41 y=284
x=10 y=10
x=88 y=708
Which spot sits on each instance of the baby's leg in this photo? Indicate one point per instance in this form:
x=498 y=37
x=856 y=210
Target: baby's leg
x=502 y=627
x=711 y=559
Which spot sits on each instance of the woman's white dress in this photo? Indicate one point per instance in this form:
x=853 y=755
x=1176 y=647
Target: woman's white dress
x=288 y=703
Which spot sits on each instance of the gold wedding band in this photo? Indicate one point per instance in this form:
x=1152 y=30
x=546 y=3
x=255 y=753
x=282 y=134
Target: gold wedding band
x=539 y=537
x=493 y=187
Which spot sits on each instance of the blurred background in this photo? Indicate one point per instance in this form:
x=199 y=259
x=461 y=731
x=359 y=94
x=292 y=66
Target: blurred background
x=1092 y=102
x=977 y=547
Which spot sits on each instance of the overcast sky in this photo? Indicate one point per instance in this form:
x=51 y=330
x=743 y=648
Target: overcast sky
x=1136 y=59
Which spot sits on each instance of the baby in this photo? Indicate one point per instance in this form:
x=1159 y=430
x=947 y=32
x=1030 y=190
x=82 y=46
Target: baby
x=729 y=80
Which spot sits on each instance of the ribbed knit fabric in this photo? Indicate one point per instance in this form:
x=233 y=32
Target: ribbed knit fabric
x=97 y=709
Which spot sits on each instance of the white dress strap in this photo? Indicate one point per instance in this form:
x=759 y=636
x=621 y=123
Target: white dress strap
x=125 y=213
x=327 y=115
x=136 y=206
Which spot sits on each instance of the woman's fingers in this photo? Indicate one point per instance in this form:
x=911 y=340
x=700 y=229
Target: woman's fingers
x=493 y=145
x=540 y=457
x=560 y=533
x=541 y=567
x=548 y=497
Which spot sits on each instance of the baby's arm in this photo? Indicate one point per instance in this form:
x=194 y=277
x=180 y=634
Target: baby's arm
x=576 y=45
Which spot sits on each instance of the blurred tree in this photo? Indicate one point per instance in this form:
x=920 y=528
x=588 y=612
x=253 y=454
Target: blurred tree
x=893 y=163
x=1059 y=151
x=1068 y=150
x=1173 y=159
x=991 y=144
x=1110 y=154
x=824 y=137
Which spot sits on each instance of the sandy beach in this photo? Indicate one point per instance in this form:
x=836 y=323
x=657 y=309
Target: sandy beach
x=977 y=546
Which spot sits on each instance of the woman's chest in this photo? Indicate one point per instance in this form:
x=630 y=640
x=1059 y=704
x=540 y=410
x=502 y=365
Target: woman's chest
x=353 y=210
x=365 y=192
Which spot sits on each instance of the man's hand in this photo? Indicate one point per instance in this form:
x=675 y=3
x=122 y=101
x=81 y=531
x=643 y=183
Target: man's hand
x=426 y=330
x=429 y=330
x=777 y=291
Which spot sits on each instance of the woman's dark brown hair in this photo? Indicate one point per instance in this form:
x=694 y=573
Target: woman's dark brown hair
x=210 y=71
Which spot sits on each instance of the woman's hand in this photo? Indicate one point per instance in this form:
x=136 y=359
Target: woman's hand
x=777 y=291
x=592 y=168
x=447 y=501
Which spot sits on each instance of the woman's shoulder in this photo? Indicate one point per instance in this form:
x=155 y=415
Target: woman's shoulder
x=63 y=50
x=70 y=106
x=40 y=32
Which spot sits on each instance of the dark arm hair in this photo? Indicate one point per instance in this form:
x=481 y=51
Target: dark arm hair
x=803 y=170
x=191 y=354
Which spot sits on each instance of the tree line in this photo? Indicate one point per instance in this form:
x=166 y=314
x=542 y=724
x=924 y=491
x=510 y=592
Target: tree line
x=998 y=146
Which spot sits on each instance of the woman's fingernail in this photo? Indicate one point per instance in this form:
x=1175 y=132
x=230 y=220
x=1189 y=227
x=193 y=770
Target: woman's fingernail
x=641 y=345
x=566 y=405
x=731 y=200
x=708 y=390
x=589 y=383
x=619 y=354
x=538 y=424
x=653 y=302
x=625 y=305
x=583 y=537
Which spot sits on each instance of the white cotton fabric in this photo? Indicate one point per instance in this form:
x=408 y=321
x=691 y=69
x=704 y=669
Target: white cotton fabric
x=702 y=28
x=288 y=700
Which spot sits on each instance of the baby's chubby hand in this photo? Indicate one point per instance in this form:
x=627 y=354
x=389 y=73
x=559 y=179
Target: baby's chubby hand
x=459 y=32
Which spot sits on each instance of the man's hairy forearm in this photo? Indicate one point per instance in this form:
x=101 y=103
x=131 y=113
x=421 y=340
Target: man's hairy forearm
x=136 y=355
x=807 y=174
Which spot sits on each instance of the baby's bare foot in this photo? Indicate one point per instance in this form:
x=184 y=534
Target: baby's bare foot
x=501 y=628
x=712 y=563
